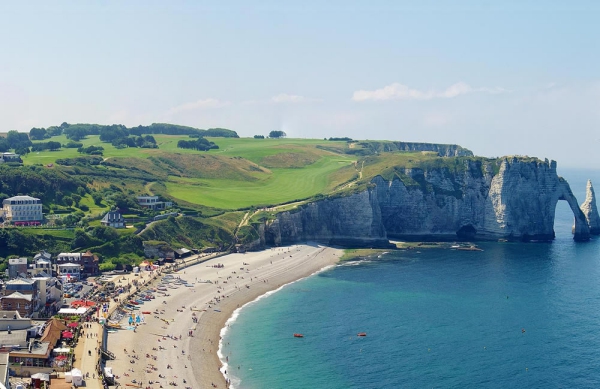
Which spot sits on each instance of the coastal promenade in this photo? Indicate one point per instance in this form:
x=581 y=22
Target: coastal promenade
x=87 y=356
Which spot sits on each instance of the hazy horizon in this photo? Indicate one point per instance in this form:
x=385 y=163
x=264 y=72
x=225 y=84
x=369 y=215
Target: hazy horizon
x=509 y=78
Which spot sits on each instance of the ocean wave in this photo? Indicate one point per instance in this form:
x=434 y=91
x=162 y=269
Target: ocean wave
x=236 y=313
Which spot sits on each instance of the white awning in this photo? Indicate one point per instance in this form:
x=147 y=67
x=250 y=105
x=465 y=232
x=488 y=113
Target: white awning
x=62 y=350
x=73 y=311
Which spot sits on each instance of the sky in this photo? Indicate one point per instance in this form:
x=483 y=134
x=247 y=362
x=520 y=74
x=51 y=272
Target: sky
x=497 y=77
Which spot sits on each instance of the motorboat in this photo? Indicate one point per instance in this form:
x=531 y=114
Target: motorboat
x=298 y=336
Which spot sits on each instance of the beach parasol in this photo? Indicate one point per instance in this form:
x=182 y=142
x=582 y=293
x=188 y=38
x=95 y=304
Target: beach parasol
x=67 y=334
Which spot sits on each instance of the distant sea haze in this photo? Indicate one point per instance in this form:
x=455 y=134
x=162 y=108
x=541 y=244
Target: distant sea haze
x=514 y=315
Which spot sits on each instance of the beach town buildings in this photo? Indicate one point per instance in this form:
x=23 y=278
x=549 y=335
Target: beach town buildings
x=27 y=350
x=76 y=265
x=22 y=210
x=153 y=202
x=41 y=295
x=22 y=303
x=17 y=267
x=20 y=295
x=113 y=219
x=42 y=264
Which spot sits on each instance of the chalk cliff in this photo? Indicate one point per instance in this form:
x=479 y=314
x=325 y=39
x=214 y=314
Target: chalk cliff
x=510 y=198
x=590 y=210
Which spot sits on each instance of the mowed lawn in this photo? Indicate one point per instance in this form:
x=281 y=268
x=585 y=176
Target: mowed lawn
x=284 y=185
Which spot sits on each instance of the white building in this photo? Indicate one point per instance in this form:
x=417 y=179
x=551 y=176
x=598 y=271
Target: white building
x=10 y=157
x=69 y=272
x=22 y=210
x=153 y=202
x=68 y=258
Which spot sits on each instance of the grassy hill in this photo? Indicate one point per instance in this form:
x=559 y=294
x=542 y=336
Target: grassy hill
x=243 y=172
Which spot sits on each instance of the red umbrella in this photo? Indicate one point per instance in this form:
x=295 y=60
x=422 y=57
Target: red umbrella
x=73 y=324
x=60 y=357
x=67 y=334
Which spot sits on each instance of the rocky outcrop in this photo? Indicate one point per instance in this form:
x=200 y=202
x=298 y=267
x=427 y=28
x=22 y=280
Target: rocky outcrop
x=441 y=149
x=377 y=147
x=511 y=198
x=590 y=210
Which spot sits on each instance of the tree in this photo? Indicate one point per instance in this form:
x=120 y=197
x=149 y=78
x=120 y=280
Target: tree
x=18 y=139
x=259 y=137
x=97 y=197
x=68 y=200
x=22 y=150
x=4 y=145
x=37 y=133
x=277 y=134
x=104 y=233
x=53 y=145
x=76 y=199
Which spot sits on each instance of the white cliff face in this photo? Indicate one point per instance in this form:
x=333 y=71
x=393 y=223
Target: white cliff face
x=480 y=200
x=590 y=210
x=351 y=220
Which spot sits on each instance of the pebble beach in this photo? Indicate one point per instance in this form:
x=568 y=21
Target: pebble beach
x=176 y=342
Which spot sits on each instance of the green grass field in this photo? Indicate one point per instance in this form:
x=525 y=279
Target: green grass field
x=283 y=185
x=243 y=172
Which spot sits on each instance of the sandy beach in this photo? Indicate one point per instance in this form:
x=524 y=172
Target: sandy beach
x=177 y=342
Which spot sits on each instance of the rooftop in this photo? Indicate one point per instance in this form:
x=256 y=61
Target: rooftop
x=69 y=255
x=17 y=295
x=16 y=338
x=9 y=314
x=21 y=198
x=20 y=281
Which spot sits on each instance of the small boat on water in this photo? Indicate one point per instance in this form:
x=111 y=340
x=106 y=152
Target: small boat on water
x=298 y=336
x=361 y=334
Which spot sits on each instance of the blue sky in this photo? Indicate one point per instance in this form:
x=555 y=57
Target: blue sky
x=498 y=77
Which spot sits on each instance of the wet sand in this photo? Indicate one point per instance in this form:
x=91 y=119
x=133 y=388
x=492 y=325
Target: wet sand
x=213 y=295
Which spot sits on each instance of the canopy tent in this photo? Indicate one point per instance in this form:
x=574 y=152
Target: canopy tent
x=82 y=303
x=41 y=376
x=62 y=350
x=77 y=377
x=67 y=334
x=73 y=324
x=72 y=311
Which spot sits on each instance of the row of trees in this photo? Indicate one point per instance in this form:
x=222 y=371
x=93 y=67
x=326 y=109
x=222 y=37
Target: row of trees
x=51 y=145
x=108 y=133
x=199 y=144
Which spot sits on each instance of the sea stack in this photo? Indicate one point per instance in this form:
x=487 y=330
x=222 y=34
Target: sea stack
x=590 y=210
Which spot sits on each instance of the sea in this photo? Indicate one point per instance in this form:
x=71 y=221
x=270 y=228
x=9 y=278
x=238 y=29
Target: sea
x=515 y=315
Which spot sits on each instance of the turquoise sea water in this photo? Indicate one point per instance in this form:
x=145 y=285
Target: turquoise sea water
x=513 y=315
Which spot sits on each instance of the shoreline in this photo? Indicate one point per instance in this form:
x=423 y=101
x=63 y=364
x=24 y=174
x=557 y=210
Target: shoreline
x=216 y=288
x=234 y=315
